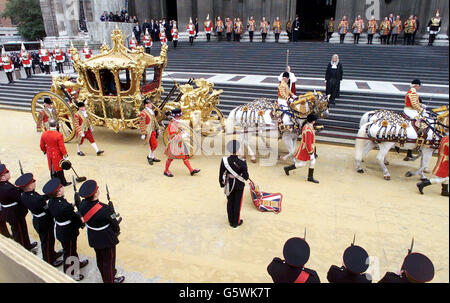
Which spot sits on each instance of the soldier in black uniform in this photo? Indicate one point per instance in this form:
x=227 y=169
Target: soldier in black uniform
x=103 y=230
x=291 y=270
x=42 y=220
x=352 y=271
x=67 y=224
x=13 y=210
x=416 y=268
x=233 y=174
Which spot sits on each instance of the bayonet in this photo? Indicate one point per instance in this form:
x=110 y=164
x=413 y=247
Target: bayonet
x=354 y=237
x=21 y=169
x=304 y=235
x=412 y=245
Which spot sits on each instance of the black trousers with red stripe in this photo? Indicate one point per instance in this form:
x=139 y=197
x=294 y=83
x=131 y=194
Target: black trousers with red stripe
x=70 y=250
x=19 y=231
x=47 y=238
x=234 y=205
x=106 y=263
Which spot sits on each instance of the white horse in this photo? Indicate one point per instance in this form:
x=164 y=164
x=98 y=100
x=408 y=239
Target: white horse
x=264 y=115
x=387 y=129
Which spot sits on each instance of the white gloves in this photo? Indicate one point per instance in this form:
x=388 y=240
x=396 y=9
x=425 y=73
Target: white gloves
x=143 y=137
x=184 y=135
x=66 y=157
x=82 y=134
x=428 y=29
x=92 y=129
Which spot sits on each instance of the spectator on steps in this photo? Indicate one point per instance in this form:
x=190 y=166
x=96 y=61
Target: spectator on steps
x=333 y=78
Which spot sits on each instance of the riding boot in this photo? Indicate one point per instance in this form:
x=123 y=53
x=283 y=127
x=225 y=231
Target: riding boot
x=423 y=184
x=409 y=156
x=311 y=176
x=287 y=169
x=444 y=190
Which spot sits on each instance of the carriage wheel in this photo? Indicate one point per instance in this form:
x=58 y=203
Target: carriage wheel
x=190 y=141
x=215 y=123
x=65 y=113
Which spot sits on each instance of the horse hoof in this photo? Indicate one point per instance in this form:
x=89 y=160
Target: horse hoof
x=386 y=163
x=408 y=174
x=360 y=171
x=387 y=178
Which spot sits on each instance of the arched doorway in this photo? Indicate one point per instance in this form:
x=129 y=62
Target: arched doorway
x=171 y=6
x=314 y=15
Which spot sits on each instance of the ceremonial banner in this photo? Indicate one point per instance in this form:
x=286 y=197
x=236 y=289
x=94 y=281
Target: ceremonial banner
x=265 y=202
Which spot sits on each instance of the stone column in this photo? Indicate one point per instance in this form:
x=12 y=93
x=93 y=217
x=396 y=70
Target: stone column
x=50 y=26
x=184 y=11
x=204 y=7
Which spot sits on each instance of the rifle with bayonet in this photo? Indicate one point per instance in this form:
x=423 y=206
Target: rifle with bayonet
x=77 y=199
x=21 y=169
x=111 y=205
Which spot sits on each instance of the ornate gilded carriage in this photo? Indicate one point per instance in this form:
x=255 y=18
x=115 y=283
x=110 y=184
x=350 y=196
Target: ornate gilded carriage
x=113 y=85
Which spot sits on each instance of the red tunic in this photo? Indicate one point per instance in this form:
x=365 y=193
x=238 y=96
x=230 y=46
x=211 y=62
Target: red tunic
x=132 y=44
x=82 y=124
x=43 y=116
x=441 y=168
x=25 y=58
x=208 y=26
x=147 y=41
x=162 y=38
x=44 y=55
x=176 y=148
x=52 y=143
x=7 y=64
x=58 y=54
x=87 y=53
x=191 y=29
x=307 y=144
x=174 y=33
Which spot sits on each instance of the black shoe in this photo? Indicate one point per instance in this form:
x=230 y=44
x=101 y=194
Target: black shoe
x=119 y=279
x=79 y=278
x=59 y=253
x=67 y=184
x=150 y=160
x=33 y=245
x=195 y=171
x=444 y=191
x=100 y=152
x=239 y=224
x=80 y=153
x=84 y=263
x=311 y=176
x=168 y=174
x=423 y=184
x=57 y=263
x=156 y=160
x=289 y=168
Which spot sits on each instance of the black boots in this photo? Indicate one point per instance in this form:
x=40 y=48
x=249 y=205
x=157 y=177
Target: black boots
x=444 y=190
x=423 y=184
x=287 y=169
x=311 y=176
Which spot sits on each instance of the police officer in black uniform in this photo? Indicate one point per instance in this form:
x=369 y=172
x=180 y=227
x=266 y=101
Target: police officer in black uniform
x=102 y=230
x=352 y=271
x=416 y=268
x=232 y=175
x=67 y=225
x=292 y=269
x=13 y=210
x=42 y=220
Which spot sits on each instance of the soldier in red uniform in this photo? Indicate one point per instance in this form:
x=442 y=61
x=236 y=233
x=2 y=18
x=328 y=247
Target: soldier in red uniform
x=133 y=42
x=8 y=66
x=12 y=209
x=52 y=145
x=306 y=150
x=162 y=34
x=44 y=55
x=150 y=129
x=191 y=31
x=176 y=149
x=440 y=170
x=208 y=28
x=46 y=114
x=292 y=269
x=219 y=28
x=59 y=57
x=147 y=42
x=87 y=52
x=174 y=32
x=84 y=129
x=25 y=58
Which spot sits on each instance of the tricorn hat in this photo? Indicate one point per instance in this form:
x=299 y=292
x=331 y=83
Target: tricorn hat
x=296 y=252
x=311 y=117
x=416 y=82
x=177 y=112
x=286 y=74
x=65 y=164
x=418 y=267
x=47 y=100
x=80 y=104
x=355 y=259
x=88 y=188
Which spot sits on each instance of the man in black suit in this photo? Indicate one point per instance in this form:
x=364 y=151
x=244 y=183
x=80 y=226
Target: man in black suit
x=137 y=32
x=152 y=29
x=296 y=29
x=145 y=26
x=232 y=175
x=196 y=27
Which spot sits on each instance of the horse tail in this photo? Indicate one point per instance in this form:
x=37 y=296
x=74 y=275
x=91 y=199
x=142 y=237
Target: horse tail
x=365 y=118
x=360 y=142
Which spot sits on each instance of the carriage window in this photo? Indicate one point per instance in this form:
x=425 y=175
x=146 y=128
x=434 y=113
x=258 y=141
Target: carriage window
x=92 y=80
x=125 y=80
x=108 y=82
x=148 y=76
